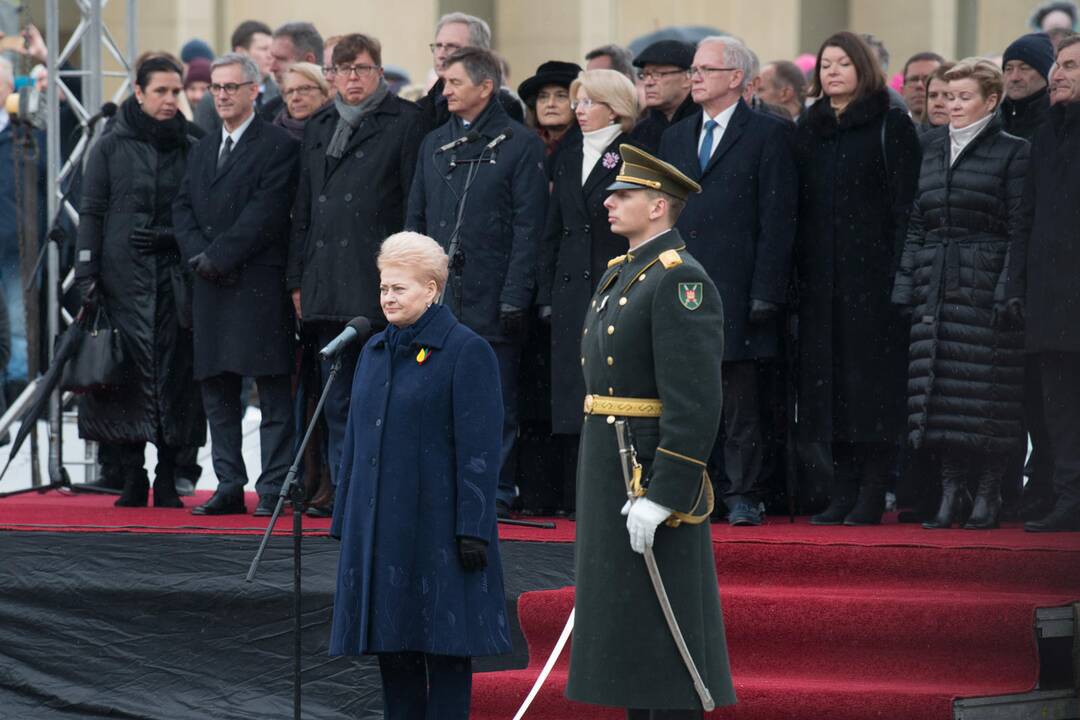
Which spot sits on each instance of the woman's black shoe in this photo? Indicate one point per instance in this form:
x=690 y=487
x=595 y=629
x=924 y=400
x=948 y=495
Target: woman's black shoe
x=165 y=495
x=955 y=498
x=136 y=489
x=984 y=515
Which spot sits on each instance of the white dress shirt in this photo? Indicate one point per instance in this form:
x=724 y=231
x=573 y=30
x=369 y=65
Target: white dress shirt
x=722 y=121
x=235 y=134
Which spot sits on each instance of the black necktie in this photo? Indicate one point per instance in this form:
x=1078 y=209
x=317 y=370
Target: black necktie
x=225 y=150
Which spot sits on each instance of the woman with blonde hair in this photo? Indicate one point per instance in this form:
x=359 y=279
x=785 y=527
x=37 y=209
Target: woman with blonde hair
x=966 y=356
x=305 y=91
x=578 y=242
x=419 y=579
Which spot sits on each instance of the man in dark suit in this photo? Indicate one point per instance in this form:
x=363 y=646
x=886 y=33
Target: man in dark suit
x=485 y=202
x=232 y=225
x=741 y=227
x=356 y=168
x=252 y=38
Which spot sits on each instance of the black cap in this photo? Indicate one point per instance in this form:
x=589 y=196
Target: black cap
x=553 y=72
x=667 y=52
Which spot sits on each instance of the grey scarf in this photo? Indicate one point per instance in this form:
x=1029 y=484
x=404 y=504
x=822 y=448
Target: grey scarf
x=350 y=117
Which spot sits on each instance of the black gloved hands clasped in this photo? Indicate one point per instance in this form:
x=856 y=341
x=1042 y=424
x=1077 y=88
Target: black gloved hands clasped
x=473 y=553
x=150 y=241
x=205 y=268
x=512 y=319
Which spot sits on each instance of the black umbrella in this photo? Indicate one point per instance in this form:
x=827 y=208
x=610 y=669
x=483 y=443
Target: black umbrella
x=691 y=34
x=66 y=346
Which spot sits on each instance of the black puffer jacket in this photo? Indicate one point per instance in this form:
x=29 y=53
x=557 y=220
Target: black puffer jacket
x=129 y=183
x=965 y=376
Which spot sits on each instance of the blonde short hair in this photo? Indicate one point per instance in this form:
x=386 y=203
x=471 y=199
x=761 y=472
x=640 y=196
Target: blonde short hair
x=611 y=88
x=985 y=73
x=418 y=252
x=312 y=72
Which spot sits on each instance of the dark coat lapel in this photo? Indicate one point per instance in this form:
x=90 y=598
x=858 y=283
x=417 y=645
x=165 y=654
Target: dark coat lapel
x=731 y=134
x=247 y=141
x=600 y=174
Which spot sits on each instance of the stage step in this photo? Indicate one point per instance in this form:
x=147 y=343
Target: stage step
x=1037 y=705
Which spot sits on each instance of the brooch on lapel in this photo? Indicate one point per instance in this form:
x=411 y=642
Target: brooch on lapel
x=423 y=355
x=610 y=160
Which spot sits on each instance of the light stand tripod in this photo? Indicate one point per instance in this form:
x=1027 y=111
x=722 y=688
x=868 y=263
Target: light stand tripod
x=295 y=491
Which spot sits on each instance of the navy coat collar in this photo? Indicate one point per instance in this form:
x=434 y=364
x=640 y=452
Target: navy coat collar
x=433 y=335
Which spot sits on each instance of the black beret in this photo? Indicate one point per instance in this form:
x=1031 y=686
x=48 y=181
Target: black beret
x=667 y=52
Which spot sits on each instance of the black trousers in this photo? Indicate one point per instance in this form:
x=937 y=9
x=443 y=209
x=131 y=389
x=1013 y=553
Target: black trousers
x=221 y=399
x=1060 y=375
x=336 y=410
x=418 y=686
x=742 y=448
x=116 y=458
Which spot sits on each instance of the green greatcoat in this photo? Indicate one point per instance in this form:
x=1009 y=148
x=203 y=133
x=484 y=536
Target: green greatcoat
x=642 y=340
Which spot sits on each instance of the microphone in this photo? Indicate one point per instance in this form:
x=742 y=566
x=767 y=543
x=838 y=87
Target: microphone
x=357 y=330
x=501 y=137
x=471 y=136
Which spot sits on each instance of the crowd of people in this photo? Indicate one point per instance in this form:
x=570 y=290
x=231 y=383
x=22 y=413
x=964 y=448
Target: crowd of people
x=899 y=254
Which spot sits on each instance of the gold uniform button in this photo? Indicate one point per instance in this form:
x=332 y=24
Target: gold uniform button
x=611 y=391
x=583 y=362
x=610 y=360
x=622 y=301
x=585 y=331
x=610 y=419
x=610 y=329
x=641 y=277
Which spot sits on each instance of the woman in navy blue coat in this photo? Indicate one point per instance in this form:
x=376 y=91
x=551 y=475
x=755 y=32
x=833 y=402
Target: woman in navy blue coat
x=419 y=578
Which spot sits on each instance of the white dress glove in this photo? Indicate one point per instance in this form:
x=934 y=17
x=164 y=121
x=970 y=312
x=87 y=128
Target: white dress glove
x=642 y=518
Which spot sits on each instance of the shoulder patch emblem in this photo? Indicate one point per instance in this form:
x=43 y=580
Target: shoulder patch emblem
x=615 y=261
x=690 y=295
x=670 y=259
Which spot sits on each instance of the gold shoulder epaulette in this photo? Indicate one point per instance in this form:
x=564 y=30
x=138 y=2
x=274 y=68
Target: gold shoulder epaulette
x=615 y=260
x=670 y=259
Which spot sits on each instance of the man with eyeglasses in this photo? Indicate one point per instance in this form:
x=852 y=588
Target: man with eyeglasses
x=252 y=38
x=662 y=75
x=485 y=202
x=741 y=228
x=356 y=167
x=453 y=32
x=917 y=71
x=232 y=225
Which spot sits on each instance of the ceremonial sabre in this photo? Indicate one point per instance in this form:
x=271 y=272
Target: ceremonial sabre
x=555 y=652
x=626 y=462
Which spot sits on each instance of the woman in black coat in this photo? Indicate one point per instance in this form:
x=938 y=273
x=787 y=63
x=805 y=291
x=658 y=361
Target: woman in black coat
x=858 y=169
x=127 y=262
x=578 y=241
x=966 y=359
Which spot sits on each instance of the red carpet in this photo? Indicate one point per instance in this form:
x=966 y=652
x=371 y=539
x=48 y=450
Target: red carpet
x=848 y=623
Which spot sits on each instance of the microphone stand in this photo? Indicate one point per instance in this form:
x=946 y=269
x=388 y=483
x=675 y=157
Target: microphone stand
x=296 y=490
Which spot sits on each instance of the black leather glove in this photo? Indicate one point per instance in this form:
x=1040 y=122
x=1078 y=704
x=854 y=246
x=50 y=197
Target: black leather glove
x=205 y=268
x=88 y=291
x=512 y=319
x=473 y=553
x=150 y=241
x=544 y=314
x=1009 y=315
x=762 y=311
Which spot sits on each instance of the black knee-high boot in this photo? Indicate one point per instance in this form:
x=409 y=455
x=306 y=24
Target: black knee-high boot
x=984 y=516
x=955 y=498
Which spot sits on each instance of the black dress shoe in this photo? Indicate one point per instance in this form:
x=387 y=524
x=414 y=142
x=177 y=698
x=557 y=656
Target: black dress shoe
x=502 y=509
x=1062 y=519
x=266 y=505
x=221 y=504
x=320 y=511
x=185 y=486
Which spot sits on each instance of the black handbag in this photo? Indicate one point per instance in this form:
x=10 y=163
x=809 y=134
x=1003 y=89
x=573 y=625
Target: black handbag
x=98 y=363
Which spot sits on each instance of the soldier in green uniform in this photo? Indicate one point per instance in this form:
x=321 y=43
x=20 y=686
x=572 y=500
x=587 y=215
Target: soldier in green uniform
x=651 y=352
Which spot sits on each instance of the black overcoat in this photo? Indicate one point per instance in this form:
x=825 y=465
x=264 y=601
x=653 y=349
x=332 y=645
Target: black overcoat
x=651 y=127
x=239 y=216
x=965 y=376
x=128 y=184
x=345 y=208
x=741 y=226
x=856 y=185
x=577 y=245
x=654 y=329
x=1047 y=272
x=502 y=220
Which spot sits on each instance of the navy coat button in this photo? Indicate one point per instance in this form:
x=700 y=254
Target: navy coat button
x=345 y=242
x=442 y=223
x=587 y=229
x=319 y=243
x=373 y=462
x=371 y=502
x=565 y=231
x=322 y=198
x=566 y=277
x=378 y=422
x=209 y=229
x=586 y=275
x=348 y=197
x=693 y=233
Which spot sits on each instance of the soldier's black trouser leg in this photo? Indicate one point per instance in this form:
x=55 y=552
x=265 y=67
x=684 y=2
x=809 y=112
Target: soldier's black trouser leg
x=743 y=447
x=632 y=714
x=418 y=686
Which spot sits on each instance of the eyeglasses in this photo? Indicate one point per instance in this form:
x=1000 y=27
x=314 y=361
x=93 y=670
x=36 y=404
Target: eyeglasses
x=586 y=104
x=444 y=47
x=705 y=70
x=359 y=71
x=658 y=74
x=227 y=88
x=300 y=90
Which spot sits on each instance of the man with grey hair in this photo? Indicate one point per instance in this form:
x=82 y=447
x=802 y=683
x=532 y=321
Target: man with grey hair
x=294 y=42
x=485 y=202
x=611 y=57
x=741 y=227
x=232 y=225
x=454 y=32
